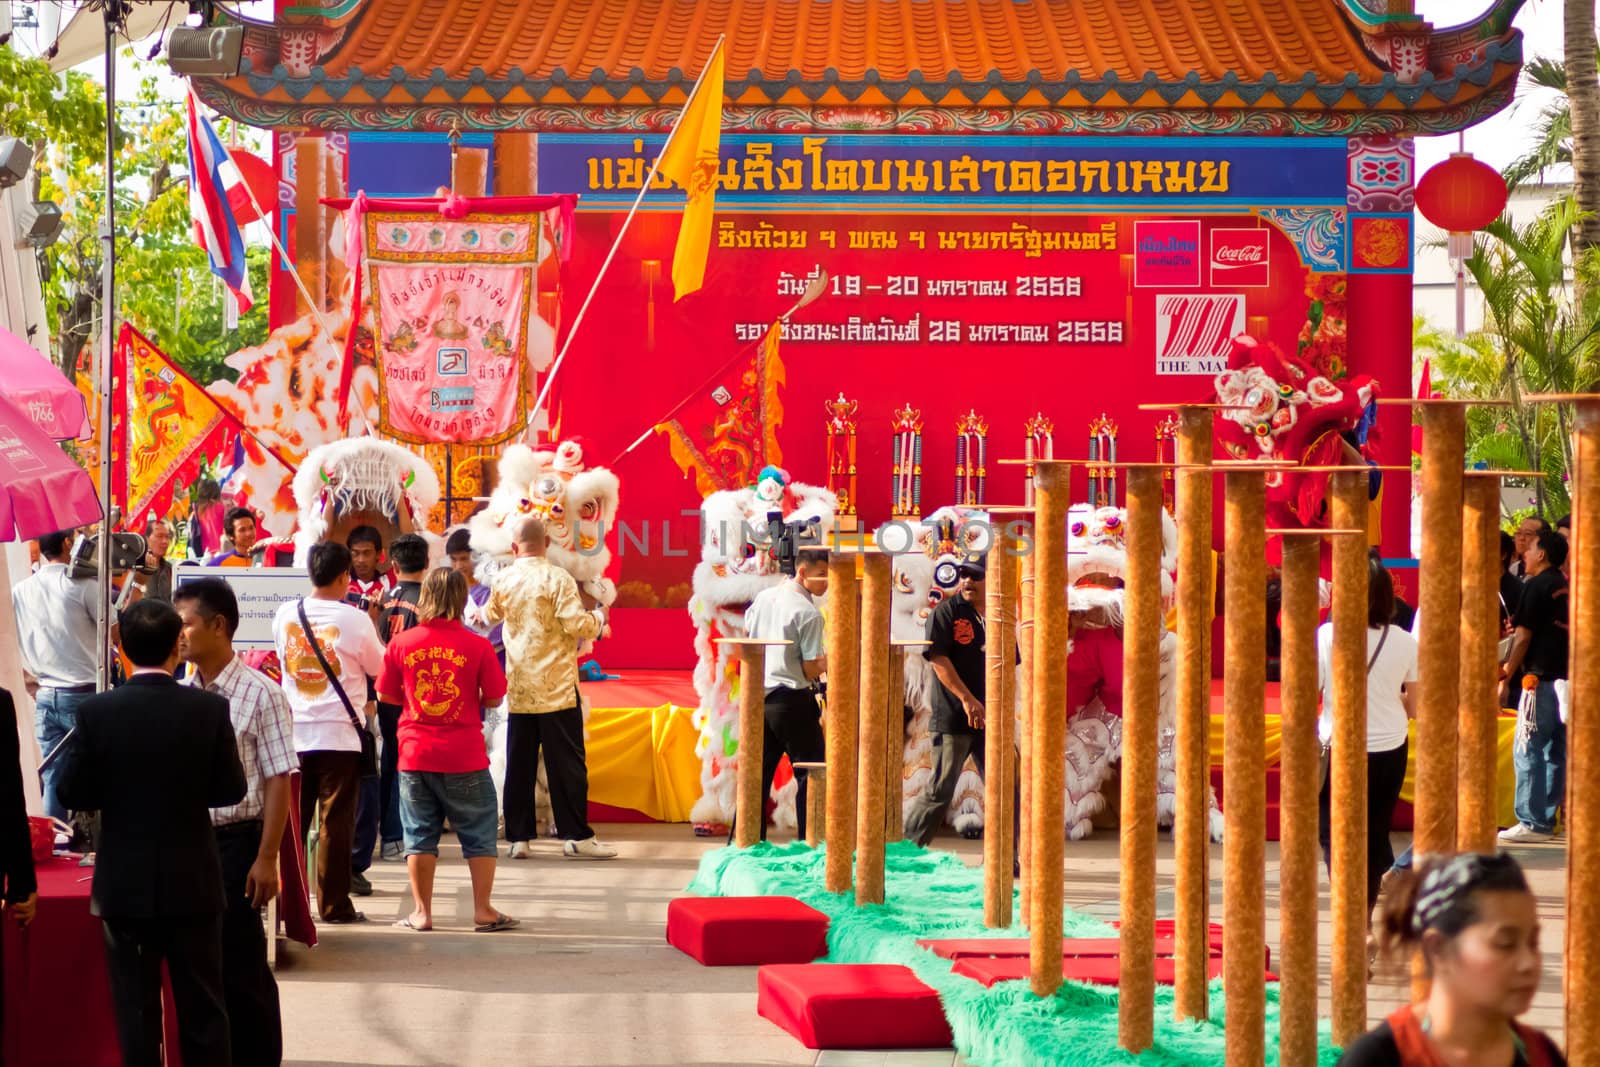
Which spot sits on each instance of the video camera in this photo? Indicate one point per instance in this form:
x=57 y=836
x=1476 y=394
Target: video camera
x=127 y=553
x=786 y=539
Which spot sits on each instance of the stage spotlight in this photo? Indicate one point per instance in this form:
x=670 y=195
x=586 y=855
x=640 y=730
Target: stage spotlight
x=210 y=51
x=40 y=224
x=15 y=158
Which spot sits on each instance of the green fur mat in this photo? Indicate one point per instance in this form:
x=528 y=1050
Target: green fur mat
x=935 y=895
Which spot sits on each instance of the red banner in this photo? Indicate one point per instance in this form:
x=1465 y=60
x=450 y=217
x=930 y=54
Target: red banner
x=727 y=430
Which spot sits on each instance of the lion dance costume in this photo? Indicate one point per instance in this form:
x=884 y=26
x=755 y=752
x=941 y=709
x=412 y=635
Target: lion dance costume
x=736 y=564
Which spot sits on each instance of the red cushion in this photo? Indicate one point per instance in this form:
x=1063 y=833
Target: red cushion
x=852 y=1005
x=1095 y=970
x=746 y=931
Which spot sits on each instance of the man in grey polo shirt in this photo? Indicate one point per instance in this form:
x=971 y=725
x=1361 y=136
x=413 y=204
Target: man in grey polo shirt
x=788 y=612
x=56 y=619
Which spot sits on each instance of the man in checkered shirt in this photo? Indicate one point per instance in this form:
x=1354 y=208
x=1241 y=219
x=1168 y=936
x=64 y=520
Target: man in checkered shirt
x=249 y=833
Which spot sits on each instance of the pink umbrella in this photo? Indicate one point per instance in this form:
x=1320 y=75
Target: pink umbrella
x=41 y=488
x=40 y=391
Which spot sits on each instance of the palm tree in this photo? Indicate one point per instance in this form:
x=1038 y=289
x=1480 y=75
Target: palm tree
x=1537 y=337
x=1554 y=124
x=1583 y=95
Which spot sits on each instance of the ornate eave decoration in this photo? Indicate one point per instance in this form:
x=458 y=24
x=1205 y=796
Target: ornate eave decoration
x=306 y=73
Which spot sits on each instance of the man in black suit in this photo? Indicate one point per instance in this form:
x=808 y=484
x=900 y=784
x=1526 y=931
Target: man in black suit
x=154 y=757
x=18 y=889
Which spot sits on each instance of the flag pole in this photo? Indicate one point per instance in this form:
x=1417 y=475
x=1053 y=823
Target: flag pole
x=272 y=235
x=566 y=346
x=818 y=286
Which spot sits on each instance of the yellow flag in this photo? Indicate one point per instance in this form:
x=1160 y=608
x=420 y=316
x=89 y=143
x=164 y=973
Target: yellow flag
x=691 y=160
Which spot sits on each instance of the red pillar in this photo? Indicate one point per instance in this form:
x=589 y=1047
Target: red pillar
x=1380 y=345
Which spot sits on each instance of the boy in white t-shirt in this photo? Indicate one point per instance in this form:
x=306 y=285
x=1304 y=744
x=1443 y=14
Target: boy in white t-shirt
x=328 y=742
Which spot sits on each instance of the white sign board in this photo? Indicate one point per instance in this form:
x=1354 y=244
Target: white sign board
x=261 y=591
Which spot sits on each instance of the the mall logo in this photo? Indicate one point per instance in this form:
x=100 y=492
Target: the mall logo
x=1166 y=254
x=1240 y=259
x=1194 y=332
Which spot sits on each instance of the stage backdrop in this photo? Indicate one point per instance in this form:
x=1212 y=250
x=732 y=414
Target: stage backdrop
x=1007 y=276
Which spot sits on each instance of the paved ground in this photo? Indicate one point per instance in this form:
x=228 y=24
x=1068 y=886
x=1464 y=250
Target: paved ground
x=589 y=979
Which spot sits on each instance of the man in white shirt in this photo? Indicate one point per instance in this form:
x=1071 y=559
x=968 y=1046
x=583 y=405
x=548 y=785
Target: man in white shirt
x=327 y=723
x=788 y=612
x=57 y=616
x=249 y=833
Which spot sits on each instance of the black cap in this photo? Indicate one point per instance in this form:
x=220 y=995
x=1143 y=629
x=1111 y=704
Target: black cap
x=972 y=568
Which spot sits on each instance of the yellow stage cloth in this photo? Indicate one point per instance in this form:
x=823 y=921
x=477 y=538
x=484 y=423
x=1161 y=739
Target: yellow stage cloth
x=643 y=759
x=1505 y=795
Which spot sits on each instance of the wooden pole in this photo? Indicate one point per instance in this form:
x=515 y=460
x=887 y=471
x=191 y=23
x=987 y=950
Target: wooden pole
x=1244 y=759
x=816 y=802
x=1443 y=458
x=1025 y=730
x=1298 y=850
x=1053 y=490
x=844 y=644
x=876 y=591
x=1582 y=981
x=750 y=812
x=1478 y=726
x=1141 y=712
x=1191 y=832
x=1348 y=769
x=999 y=698
x=1439 y=651
x=894 y=755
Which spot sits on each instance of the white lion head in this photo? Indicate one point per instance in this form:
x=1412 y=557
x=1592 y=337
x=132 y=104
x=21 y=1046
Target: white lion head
x=344 y=484
x=736 y=560
x=578 y=504
x=1097 y=556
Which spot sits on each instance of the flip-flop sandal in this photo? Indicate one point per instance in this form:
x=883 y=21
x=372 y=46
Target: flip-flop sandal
x=502 y=922
x=406 y=924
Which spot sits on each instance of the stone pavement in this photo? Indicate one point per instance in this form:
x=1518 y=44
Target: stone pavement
x=589 y=979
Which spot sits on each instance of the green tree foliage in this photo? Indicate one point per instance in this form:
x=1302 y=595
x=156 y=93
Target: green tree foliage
x=1538 y=336
x=164 y=287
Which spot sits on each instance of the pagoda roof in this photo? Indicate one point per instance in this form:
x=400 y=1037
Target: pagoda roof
x=1243 y=66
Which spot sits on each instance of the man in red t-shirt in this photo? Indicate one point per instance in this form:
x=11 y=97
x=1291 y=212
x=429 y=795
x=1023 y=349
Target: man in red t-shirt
x=442 y=675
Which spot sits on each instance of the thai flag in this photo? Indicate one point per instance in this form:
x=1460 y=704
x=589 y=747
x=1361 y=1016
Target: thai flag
x=232 y=479
x=216 y=228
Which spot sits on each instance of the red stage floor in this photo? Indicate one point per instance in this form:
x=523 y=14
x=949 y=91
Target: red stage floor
x=642 y=689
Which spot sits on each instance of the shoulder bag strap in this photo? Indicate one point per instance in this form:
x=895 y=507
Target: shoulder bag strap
x=311 y=639
x=1375 y=652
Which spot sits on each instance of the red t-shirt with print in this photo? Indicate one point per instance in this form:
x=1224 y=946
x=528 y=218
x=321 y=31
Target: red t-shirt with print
x=443 y=674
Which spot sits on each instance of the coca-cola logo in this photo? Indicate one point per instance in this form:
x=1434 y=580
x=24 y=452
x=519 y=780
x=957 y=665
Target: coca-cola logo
x=1241 y=258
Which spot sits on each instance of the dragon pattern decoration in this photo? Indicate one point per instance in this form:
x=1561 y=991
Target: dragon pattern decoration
x=736 y=564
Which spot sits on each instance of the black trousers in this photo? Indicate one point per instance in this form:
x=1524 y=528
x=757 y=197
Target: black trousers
x=192 y=949
x=560 y=735
x=1386 y=773
x=330 y=783
x=247 y=983
x=928 y=809
x=793 y=725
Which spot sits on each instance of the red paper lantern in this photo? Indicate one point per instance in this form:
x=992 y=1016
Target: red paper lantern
x=1459 y=196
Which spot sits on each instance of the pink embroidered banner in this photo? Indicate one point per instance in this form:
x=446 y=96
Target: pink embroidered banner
x=452 y=304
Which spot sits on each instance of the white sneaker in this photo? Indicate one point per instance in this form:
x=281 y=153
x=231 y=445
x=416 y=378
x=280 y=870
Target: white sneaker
x=1523 y=834
x=520 y=850
x=589 y=849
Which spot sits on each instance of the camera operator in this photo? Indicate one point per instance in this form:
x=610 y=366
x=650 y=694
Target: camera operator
x=788 y=612
x=57 y=616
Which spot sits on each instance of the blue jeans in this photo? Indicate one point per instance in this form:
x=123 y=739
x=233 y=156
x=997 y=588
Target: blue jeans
x=368 y=797
x=55 y=714
x=1542 y=763
x=389 y=774
x=427 y=797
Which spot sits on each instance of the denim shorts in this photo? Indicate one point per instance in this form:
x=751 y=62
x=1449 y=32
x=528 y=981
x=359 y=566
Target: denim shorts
x=468 y=799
